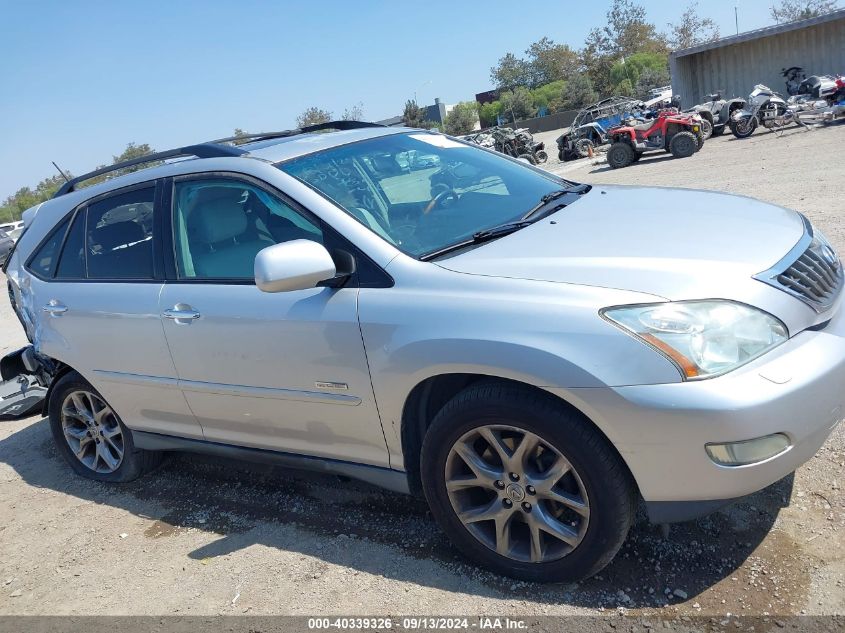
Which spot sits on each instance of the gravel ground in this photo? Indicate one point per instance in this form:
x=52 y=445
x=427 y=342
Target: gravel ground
x=201 y=536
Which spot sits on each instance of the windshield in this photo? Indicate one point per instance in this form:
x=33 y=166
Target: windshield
x=423 y=192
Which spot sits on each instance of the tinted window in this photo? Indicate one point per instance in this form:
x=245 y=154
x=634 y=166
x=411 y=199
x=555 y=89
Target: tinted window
x=45 y=257
x=72 y=259
x=220 y=225
x=119 y=236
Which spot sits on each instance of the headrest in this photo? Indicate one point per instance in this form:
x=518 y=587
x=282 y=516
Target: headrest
x=217 y=214
x=118 y=234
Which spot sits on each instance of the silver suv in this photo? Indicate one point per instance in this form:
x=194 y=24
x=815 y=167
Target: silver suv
x=534 y=356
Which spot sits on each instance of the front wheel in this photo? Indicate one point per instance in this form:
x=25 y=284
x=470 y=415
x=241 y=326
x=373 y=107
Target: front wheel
x=583 y=147
x=91 y=437
x=620 y=154
x=706 y=129
x=526 y=486
x=542 y=156
x=683 y=145
x=744 y=127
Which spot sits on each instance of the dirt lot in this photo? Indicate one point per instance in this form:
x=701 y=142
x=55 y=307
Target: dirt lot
x=204 y=537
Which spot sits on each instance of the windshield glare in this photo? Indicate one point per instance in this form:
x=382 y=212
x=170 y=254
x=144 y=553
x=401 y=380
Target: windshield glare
x=423 y=192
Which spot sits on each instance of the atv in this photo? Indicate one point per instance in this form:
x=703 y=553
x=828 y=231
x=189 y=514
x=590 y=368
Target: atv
x=671 y=131
x=716 y=112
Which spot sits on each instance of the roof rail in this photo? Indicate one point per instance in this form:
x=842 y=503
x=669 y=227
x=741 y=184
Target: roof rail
x=212 y=149
x=329 y=125
x=204 y=150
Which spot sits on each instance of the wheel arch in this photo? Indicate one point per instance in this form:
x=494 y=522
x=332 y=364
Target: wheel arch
x=62 y=369
x=429 y=396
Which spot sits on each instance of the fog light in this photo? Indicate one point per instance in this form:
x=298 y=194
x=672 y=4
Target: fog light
x=748 y=451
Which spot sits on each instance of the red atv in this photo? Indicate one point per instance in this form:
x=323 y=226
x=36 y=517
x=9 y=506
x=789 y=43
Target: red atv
x=670 y=130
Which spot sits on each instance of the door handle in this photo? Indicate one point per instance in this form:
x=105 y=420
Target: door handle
x=181 y=313
x=54 y=308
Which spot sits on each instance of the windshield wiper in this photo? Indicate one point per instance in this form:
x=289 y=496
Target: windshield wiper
x=547 y=199
x=533 y=215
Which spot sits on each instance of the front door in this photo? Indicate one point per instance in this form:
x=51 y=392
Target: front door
x=285 y=371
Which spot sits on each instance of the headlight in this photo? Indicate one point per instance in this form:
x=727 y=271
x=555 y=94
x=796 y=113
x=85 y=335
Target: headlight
x=703 y=338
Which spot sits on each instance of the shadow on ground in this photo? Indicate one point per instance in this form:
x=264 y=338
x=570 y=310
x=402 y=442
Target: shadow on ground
x=247 y=504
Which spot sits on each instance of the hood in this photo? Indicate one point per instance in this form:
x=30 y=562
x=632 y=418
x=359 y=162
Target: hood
x=672 y=243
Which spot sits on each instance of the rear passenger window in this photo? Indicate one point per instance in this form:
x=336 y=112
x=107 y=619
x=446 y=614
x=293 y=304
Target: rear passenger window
x=72 y=259
x=44 y=260
x=119 y=236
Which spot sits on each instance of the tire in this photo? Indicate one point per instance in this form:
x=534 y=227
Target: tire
x=110 y=433
x=529 y=158
x=699 y=137
x=743 y=128
x=620 y=155
x=603 y=481
x=706 y=129
x=583 y=146
x=683 y=145
x=542 y=156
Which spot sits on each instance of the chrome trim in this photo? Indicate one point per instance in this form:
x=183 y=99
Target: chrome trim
x=771 y=275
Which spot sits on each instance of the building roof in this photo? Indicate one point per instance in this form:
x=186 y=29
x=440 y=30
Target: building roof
x=760 y=33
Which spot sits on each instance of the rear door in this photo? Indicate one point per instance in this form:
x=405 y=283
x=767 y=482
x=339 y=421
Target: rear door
x=284 y=371
x=97 y=280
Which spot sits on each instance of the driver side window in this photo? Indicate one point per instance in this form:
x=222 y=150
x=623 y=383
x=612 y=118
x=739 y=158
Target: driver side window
x=220 y=225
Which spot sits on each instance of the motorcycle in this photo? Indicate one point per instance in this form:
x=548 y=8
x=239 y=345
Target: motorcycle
x=815 y=99
x=764 y=107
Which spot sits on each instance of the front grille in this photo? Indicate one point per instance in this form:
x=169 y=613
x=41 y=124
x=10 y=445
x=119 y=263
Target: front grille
x=816 y=276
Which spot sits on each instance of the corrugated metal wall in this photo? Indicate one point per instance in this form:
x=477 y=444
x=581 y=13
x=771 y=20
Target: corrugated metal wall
x=735 y=69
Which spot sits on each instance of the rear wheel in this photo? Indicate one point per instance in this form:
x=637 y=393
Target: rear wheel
x=526 y=486
x=620 y=154
x=683 y=145
x=542 y=156
x=90 y=436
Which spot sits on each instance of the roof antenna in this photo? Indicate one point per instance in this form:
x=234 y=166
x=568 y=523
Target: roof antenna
x=64 y=175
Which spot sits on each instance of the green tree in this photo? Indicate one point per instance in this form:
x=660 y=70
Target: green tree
x=489 y=112
x=510 y=73
x=632 y=67
x=549 y=62
x=626 y=33
x=517 y=104
x=415 y=116
x=313 y=116
x=26 y=197
x=791 y=10
x=579 y=92
x=651 y=78
x=354 y=113
x=461 y=119
x=692 y=29
x=548 y=95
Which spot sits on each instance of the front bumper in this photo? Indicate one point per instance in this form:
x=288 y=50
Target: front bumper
x=661 y=430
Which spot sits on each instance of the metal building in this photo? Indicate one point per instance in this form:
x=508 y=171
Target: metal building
x=734 y=65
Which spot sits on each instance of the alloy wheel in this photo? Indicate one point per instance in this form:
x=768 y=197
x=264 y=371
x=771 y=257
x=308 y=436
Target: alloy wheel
x=517 y=494
x=92 y=431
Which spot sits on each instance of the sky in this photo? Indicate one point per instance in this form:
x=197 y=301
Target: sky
x=80 y=79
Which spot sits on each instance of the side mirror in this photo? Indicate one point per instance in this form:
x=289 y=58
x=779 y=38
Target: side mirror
x=294 y=265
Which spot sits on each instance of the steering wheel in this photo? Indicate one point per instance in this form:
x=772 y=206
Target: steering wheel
x=438 y=200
